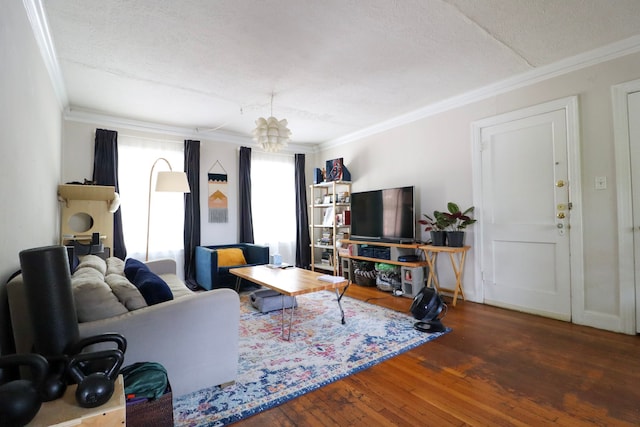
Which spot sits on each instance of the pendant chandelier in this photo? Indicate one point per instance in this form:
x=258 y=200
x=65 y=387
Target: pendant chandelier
x=271 y=134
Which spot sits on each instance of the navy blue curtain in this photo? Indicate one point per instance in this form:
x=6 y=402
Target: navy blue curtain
x=303 y=242
x=244 y=181
x=105 y=172
x=191 y=211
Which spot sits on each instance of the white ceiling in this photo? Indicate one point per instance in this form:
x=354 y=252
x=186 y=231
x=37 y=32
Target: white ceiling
x=335 y=67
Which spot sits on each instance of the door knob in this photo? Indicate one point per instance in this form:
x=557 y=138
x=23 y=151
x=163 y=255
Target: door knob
x=560 y=215
x=560 y=183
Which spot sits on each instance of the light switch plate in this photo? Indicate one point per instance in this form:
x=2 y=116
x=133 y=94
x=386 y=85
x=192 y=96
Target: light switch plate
x=601 y=182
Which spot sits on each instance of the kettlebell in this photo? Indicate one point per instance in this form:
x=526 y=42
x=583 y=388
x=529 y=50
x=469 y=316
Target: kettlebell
x=20 y=400
x=96 y=388
x=55 y=381
x=96 y=372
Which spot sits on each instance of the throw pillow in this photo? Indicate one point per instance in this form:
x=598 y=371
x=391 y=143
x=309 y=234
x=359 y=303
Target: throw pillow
x=93 y=298
x=131 y=268
x=74 y=262
x=92 y=261
x=126 y=292
x=152 y=287
x=230 y=256
x=114 y=266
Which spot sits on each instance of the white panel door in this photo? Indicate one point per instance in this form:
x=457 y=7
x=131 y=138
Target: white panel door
x=633 y=100
x=525 y=218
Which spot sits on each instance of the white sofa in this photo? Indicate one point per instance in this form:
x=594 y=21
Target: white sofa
x=194 y=336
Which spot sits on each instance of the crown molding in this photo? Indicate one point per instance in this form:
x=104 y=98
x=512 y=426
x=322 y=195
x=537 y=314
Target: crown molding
x=37 y=18
x=85 y=116
x=40 y=28
x=607 y=53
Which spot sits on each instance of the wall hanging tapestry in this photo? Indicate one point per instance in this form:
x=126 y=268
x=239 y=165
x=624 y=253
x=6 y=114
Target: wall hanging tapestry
x=218 y=201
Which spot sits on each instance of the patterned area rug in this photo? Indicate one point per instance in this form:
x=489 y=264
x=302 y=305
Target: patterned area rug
x=321 y=351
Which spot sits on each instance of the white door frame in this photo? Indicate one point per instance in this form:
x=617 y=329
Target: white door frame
x=570 y=106
x=629 y=298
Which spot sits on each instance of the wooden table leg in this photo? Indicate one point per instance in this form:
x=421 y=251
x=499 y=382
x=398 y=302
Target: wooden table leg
x=432 y=278
x=457 y=255
x=458 y=269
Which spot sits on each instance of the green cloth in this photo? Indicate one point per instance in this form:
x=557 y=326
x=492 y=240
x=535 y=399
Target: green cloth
x=380 y=266
x=145 y=379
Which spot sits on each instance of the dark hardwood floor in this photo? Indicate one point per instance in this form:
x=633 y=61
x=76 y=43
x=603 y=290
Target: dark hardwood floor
x=497 y=368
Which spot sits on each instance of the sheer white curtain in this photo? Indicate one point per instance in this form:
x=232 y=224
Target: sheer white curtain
x=273 y=203
x=135 y=158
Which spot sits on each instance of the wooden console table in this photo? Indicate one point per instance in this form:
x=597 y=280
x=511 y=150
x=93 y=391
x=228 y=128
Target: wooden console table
x=457 y=256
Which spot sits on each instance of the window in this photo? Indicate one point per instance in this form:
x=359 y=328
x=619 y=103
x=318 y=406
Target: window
x=136 y=156
x=273 y=203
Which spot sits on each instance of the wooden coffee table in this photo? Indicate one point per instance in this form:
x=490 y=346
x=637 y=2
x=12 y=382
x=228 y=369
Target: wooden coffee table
x=290 y=281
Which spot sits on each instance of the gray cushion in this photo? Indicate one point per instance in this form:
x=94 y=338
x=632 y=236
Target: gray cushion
x=92 y=261
x=126 y=292
x=94 y=299
x=114 y=266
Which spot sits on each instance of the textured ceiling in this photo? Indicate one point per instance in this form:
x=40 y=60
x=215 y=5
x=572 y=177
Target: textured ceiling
x=334 y=66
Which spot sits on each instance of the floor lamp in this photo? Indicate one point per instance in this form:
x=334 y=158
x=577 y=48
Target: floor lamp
x=167 y=181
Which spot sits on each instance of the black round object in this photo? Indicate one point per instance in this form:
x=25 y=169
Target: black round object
x=20 y=400
x=431 y=326
x=55 y=382
x=427 y=305
x=95 y=388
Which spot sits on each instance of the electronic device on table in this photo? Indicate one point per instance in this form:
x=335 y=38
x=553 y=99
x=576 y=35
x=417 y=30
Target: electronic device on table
x=386 y=215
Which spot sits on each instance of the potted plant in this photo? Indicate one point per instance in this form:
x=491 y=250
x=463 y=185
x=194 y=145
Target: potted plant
x=437 y=226
x=457 y=222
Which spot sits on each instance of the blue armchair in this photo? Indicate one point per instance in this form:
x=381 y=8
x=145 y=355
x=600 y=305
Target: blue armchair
x=210 y=275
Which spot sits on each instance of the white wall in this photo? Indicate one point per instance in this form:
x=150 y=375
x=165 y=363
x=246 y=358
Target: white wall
x=434 y=154
x=227 y=154
x=30 y=142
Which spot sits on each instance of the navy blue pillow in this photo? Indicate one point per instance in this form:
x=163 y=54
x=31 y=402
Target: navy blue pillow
x=154 y=290
x=75 y=262
x=131 y=267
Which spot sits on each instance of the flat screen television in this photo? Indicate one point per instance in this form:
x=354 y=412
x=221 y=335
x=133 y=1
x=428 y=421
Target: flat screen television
x=386 y=215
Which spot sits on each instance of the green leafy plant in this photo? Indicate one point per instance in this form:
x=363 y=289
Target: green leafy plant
x=439 y=222
x=457 y=219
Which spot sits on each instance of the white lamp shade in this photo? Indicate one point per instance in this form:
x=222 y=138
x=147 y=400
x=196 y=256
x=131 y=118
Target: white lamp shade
x=271 y=134
x=174 y=182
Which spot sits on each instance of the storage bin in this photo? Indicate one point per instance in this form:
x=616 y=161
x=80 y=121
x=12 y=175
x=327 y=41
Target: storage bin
x=147 y=405
x=157 y=412
x=364 y=273
x=367 y=251
x=382 y=253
